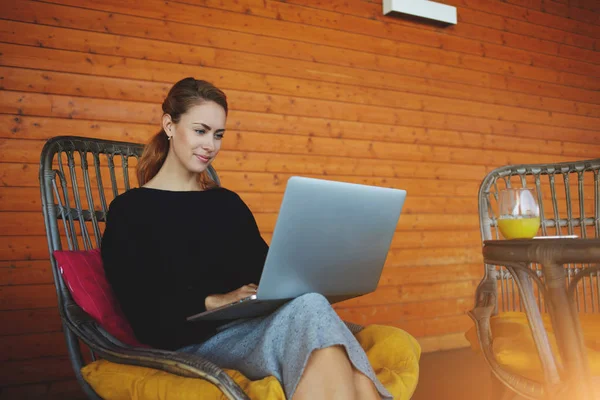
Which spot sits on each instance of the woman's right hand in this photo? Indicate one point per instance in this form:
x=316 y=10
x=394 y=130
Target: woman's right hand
x=218 y=300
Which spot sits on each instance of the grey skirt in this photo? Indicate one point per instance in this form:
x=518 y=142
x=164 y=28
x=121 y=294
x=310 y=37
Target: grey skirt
x=280 y=344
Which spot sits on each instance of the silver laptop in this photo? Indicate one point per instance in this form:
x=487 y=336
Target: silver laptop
x=330 y=238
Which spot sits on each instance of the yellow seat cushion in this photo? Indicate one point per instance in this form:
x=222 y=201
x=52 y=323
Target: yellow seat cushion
x=515 y=350
x=393 y=353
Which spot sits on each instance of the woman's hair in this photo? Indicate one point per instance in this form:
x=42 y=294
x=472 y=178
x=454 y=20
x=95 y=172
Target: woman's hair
x=183 y=95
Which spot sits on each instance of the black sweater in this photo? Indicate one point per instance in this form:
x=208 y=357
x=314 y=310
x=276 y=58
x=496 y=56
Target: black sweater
x=165 y=251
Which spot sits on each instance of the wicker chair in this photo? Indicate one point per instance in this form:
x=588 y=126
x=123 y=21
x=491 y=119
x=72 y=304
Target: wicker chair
x=73 y=175
x=569 y=198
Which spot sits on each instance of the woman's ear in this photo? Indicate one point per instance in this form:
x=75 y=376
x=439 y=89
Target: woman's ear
x=168 y=125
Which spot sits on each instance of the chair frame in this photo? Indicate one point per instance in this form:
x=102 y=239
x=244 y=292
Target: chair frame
x=486 y=296
x=78 y=326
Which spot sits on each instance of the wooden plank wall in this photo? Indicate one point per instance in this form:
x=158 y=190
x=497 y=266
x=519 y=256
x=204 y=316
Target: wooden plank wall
x=325 y=88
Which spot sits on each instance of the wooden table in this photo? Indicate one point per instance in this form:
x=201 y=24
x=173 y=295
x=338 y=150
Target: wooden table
x=552 y=254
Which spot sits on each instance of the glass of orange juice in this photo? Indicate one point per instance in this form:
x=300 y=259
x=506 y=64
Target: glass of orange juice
x=519 y=213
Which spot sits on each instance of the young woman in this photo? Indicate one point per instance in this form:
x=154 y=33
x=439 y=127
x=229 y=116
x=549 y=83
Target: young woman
x=179 y=245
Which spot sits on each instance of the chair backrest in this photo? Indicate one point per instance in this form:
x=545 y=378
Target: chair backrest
x=79 y=177
x=568 y=195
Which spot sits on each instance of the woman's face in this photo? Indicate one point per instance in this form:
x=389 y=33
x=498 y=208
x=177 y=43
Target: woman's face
x=196 y=138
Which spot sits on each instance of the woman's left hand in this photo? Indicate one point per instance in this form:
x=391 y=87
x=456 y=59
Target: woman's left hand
x=218 y=300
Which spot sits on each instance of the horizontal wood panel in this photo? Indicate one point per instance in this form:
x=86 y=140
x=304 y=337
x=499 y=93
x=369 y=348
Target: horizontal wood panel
x=387 y=295
x=302 y=32
x=250 y=151
x=19 y=127
x=32 y=391
x=18 y=322
x=315 y=16
x=25 y=175
x=27 y=297
x=511 y=83
x=154 y=50
x=33 y=34
x=86 y=108
x=310 y=54
x=435 y=326
x=35 y=57
x=38 y=271
x=538 y=18
x=392 y=313
x=457 y=192
x=31 y=223
x=26 y=199
x=418 y=255
x=42 y=296
x=457 y=203
x=430 y=274
x=57 y=368
x=132 y=26
x=29 y=321
x=585 y=4
x=23 y=347
x=20 y=199
x=57 y=390
x=22 y=250
x=485 y=33
x=485 y=14
x=50 y=344
x=35 y=370
x=30 y=272
x=443 y=342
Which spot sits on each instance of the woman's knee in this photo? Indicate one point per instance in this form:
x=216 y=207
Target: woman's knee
x=311 y=300
x=310 y=314
x=333 y=357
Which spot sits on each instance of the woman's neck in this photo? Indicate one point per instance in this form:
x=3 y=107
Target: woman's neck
x=175 y=177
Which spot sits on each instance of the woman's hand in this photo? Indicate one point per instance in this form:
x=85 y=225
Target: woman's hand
x=218 y=300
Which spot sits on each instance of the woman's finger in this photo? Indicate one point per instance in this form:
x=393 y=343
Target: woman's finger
x=246 y=291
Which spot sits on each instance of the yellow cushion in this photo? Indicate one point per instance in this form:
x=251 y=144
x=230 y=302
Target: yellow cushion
x=393 y=353
x=114 y=381
x=514 y=348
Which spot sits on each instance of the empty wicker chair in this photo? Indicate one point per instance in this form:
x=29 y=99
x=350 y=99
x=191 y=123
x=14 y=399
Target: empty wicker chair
x=521 y=362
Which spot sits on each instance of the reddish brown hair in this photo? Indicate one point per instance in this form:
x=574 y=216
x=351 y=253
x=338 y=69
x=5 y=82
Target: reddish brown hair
x=183 y=95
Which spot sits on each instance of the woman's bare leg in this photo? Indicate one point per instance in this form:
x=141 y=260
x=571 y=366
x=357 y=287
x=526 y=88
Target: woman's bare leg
x=365 y=388
x=328 y=375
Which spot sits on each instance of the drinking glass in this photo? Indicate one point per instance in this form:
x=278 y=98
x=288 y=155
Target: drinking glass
x=519 y=213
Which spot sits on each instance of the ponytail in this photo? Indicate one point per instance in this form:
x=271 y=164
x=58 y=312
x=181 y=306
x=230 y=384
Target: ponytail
x=153 y=157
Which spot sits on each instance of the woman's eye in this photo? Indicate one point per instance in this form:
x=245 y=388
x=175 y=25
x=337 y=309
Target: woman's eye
x=200 y=131
x=219 y=136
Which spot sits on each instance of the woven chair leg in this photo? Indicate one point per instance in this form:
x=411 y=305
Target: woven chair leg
x=498 y=391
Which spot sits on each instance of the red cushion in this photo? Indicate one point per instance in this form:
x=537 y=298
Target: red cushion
x=83 y=274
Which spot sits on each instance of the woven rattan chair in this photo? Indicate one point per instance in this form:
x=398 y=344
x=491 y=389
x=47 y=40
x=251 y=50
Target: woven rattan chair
x=79 y=177
x=569 y=198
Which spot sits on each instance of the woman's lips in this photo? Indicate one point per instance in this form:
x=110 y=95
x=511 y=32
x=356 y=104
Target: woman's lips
x=203 y=159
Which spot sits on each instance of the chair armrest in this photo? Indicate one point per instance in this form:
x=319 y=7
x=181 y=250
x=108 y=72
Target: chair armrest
x=182 y=364
x=354 y=328
x=485 y=305
x=580 y=275
x=521 y=385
